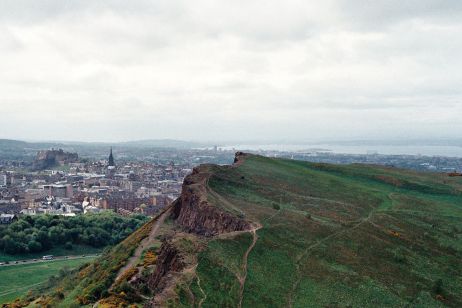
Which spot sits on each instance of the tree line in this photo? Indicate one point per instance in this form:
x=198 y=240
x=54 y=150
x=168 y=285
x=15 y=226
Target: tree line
x=43 y=232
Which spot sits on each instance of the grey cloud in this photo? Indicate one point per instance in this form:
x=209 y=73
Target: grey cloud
x=129 y=69
x=370 y=15
x=31 y=11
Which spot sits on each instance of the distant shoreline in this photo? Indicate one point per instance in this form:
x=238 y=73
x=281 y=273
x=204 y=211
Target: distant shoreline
x=424 y=150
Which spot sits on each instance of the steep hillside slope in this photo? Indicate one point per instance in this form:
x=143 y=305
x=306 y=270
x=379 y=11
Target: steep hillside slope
x=282 y=233
x=326 y=235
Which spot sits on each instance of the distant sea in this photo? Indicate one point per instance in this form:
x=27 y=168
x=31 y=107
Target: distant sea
x=425 y=150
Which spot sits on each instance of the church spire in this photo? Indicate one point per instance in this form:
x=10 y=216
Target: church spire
x=111 y=159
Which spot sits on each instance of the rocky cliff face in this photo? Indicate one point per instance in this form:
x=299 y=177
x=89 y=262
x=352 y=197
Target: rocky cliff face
x=196 y=214
x=177 y=256
x=169 y=260
x=239 y=158
x=50 y=158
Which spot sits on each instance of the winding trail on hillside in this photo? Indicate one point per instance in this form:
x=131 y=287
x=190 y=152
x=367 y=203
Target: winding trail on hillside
x=204 y=296
x=242 y=278
x=193 y=270
x=344 y=204
x=307 y=251
x=145 y=243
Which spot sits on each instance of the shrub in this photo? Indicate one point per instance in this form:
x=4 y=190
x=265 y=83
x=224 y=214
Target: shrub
x=126 y=291
x=150 y=258
x=128 y=274
x=59 y=294
x=34 y=246
x=399 y=255
x=115 y=300
x=68 y=246
x=438 y=286
x=74 y=305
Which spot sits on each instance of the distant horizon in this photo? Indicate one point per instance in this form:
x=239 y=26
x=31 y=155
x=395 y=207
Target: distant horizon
x=420 y=141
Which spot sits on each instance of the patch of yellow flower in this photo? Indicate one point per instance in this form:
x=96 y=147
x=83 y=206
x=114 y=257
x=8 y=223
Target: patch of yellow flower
x=150 y=258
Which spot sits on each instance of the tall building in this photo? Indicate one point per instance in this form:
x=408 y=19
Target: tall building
x=111 y=160
x=3 y=180
x=111 y=169
x=56 y=190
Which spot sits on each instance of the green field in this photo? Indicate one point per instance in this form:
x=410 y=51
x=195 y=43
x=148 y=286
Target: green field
x=17 y=280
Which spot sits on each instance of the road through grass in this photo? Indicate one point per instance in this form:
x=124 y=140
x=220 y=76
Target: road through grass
x=56 y=251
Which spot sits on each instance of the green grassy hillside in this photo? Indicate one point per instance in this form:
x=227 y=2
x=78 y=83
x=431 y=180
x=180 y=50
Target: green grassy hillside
x=338 y=236
x=322 y=236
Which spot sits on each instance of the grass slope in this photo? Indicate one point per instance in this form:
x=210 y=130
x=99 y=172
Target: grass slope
x=336 y=236
x=16 y=281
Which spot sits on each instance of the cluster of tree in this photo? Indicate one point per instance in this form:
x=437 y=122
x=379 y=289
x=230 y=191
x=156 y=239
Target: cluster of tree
x=42 y=232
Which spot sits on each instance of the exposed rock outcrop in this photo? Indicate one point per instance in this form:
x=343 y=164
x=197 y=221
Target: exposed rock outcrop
x=169 y=259
x=239 y=158
x=51 y=158
x=177 y=256
x=194 y=212
x=197 y=216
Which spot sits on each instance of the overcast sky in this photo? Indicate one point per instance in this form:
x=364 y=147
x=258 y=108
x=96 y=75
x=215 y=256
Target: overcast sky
x=237 y=69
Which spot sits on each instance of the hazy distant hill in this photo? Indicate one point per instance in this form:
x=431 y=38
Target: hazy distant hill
x=6 y=144
x=165 y=143
x=22 y=150
x=15 y=149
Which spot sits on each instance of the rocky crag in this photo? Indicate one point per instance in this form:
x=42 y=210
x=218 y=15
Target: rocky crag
x=198 y=216
x=195 y=213
x=52 y=158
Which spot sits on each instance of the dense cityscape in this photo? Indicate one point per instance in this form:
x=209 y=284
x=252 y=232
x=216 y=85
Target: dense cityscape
x=62 y=183
x=75 y=187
